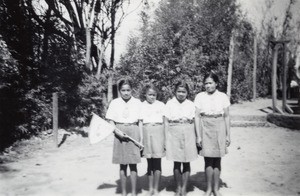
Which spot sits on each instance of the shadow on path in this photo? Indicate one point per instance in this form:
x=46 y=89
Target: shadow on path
x=166 y=182
x=64 y=138
x=5 y=169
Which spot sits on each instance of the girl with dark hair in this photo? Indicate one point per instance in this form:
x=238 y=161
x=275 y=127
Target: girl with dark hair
x=213 y=128
x=123 y=112
x=180 y=135
x=152 y=114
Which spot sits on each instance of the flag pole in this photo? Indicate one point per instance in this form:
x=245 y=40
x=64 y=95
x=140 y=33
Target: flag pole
x=138 y=144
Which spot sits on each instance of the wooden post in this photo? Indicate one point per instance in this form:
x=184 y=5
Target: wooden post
x=55 y=118
x=254 y=66
x=274 y=78
x=297 y=70
x=231 y=53
x=285 y=107
x=284 y=77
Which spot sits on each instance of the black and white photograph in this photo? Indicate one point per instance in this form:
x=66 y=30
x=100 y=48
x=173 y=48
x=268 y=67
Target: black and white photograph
x=149 y=98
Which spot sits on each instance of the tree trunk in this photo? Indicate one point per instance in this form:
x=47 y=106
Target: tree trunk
x=112 y=53
x=101 y=56
x=88 y=48
x=231 y=53
x=110 y=87
x=112 y=38
x=254 y=66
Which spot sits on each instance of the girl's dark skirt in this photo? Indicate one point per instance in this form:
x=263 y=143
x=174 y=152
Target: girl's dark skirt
x=127 y=152
x=213 y=137
x=154 y=141
x=181 y=142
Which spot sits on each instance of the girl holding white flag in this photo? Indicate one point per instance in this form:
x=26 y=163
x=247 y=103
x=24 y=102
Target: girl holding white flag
x=123 y=112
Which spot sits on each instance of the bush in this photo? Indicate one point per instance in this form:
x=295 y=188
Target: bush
x=91 y=93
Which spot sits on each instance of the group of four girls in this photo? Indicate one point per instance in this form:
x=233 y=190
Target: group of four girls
x=175 y=130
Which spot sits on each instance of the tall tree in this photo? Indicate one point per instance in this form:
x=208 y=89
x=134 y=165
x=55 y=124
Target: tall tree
x=93 y=23
x=183 y=40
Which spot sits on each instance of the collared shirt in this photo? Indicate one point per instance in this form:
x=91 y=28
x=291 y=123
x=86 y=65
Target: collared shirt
x=124 y=112
x=152 y=113
x=176 y=110
x=212 y=104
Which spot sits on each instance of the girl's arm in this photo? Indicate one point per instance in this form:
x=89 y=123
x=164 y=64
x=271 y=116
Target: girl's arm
x=117 y=132
x=198 y=125
x=141 y=131
x=227 y=124
x=166 y=126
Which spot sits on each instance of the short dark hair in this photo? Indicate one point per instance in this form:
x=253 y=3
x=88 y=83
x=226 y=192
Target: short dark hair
x=145 y=90
x=183 y=84
x=211 y=75
x=125 y=81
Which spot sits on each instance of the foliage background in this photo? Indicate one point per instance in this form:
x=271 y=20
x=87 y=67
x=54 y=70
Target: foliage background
x=188 y=42
x=42 y=53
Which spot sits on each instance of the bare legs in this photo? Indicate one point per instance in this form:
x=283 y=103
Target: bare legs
x=209 y=172
x=212 y=171
x=185 y=179
x=133 y=178
x=154 y=173
x=150 y=180
x=157 y=175
x=154 y=182
x=216 y=181
x=123 y=174
x=181 y=179
x=178 y=178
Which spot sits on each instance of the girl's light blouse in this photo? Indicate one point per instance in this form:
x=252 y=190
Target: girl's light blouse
x=120 y=111
x=212 y=104
x=175 y=110
x=152 y=113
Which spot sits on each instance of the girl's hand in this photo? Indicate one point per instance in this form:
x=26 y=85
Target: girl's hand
x=199 y=144
x=198 y=139
x=228 y=141
x=141 y=149
x=125 y=137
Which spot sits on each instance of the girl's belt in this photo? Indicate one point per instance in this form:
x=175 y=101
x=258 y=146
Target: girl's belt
x=180 y=121
x=211 y=115
x=126 y=124
x=152 y=124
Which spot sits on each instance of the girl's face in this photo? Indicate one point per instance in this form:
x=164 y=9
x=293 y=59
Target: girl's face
x=210 y=85
x=151 y=96
x=181 y=94
x=125 y=92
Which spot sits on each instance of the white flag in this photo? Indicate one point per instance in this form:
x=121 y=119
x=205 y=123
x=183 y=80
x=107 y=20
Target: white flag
x=99 y=129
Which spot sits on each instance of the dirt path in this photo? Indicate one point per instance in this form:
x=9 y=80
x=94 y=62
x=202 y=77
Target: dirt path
x=261 y=161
